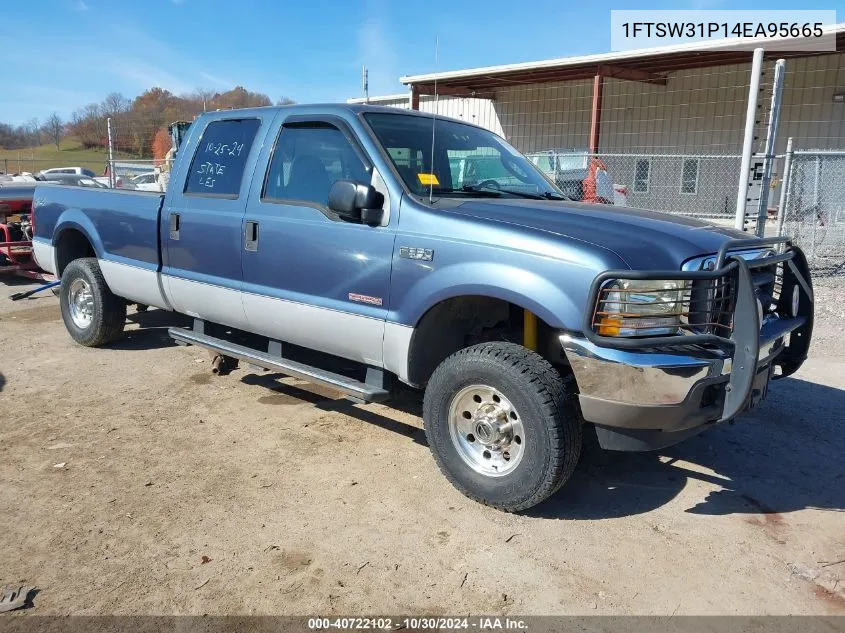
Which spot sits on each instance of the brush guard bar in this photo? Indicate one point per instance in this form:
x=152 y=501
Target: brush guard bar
x=743 y=336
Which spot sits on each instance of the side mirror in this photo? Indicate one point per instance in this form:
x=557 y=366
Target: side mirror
x=357 y=202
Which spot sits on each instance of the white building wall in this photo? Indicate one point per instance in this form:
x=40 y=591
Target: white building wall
x=478 y=111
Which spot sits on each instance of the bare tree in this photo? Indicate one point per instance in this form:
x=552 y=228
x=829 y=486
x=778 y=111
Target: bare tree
x=33 y=132
x=115 y=104
x=203 y=96
x=54 y=129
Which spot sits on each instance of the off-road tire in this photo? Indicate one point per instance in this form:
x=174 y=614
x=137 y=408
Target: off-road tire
x=109 y=315
x=547 y=409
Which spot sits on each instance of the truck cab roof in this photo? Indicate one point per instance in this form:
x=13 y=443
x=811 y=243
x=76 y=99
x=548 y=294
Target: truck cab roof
x=323 y=109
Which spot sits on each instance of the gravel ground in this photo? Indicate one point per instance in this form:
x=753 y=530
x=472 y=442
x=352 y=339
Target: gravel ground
x=133 y=477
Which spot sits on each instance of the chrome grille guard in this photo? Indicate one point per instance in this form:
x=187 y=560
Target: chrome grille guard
x=743 y=336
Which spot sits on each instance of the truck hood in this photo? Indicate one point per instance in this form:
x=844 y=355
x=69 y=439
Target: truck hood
x=645 y=240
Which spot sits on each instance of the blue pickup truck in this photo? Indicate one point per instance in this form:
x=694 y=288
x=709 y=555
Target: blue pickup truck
x=343 y=231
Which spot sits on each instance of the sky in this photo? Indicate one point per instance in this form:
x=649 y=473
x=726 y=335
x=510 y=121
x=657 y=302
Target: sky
x=58 y=55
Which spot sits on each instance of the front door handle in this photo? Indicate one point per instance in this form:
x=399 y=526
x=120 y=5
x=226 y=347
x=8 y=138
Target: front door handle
x=174 y=226
x=251 y=236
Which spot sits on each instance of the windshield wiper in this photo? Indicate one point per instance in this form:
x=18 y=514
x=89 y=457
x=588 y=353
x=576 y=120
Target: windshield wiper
x=496 y=193
x=546 y=195
x=467 y=189
x=551 y=195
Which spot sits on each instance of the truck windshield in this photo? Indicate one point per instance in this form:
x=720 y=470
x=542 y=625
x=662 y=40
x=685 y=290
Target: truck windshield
x=467 y=160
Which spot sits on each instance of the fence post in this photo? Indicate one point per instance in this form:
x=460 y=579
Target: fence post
x=784 y=186
x=817 y=172
x=748 y=141
x=111 y=154
x=771 y=140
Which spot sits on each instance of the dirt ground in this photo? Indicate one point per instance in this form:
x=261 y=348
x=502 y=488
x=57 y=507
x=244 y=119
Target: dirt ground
x=133 y=481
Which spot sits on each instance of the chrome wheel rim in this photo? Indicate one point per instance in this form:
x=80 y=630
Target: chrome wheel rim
x=81 y=303
x=486 y=430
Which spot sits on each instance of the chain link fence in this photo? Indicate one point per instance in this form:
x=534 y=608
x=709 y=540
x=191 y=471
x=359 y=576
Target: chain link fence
x=129 y=173
x=696 y=185
x=814 y=212
x=28 y=163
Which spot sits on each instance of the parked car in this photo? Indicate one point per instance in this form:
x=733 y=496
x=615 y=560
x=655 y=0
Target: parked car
x=24 y=176
x=580 y=176
x=144 y=182
x=74 y=179
x=118 y=182
x=480 y=171
x=78 y=171
x=338 y=238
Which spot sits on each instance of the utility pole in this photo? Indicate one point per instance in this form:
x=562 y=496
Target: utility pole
x=111 y=154
x=365 y=84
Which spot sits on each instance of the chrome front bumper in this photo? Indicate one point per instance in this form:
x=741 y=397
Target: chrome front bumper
x=644 y=400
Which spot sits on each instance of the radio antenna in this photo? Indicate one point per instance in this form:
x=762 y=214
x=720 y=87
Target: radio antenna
x=433 y=121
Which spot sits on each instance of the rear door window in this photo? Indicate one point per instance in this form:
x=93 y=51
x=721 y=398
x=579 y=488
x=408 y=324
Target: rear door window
x=218 y=165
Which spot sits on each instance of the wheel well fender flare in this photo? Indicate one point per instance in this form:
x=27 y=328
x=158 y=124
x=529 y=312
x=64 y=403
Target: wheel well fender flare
x=78 y=221
x=525 y=289
x=521 y=287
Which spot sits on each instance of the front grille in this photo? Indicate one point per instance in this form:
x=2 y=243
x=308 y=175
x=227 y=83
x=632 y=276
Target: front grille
x=717 y=299
x=712 y=306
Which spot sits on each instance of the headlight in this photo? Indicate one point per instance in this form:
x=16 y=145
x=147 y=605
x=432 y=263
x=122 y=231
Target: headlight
x=629 y=307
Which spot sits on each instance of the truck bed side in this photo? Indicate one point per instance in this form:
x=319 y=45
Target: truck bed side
x=120 y=228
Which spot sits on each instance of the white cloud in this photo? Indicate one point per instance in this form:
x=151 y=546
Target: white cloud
x=220 y=81
x=80 y=5
x=146 y=76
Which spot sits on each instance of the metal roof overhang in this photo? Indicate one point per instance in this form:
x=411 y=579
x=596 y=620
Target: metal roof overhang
x=648 y=65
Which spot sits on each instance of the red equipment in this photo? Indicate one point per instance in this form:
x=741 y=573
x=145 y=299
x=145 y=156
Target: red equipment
x=16 y=236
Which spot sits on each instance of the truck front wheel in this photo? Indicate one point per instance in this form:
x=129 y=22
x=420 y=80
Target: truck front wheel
x=502 y=425
x=93 y=315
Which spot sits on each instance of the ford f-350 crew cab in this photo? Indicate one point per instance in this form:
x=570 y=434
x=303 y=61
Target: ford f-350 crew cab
x=343 y=230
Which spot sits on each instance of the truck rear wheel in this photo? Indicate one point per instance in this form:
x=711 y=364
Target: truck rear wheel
x=93 y=315
x=502 y=425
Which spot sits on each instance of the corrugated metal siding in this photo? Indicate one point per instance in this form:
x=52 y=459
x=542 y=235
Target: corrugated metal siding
x=403 y=103
x=478 y=111
x=544 y=116
x=809 y=113
x=698 y=111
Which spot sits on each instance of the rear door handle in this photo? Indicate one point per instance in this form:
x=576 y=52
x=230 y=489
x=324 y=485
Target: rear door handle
x=251 y=236
x=174 y=226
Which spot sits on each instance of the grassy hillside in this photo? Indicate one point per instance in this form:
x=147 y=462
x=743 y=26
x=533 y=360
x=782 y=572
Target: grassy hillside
x=72 y=154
